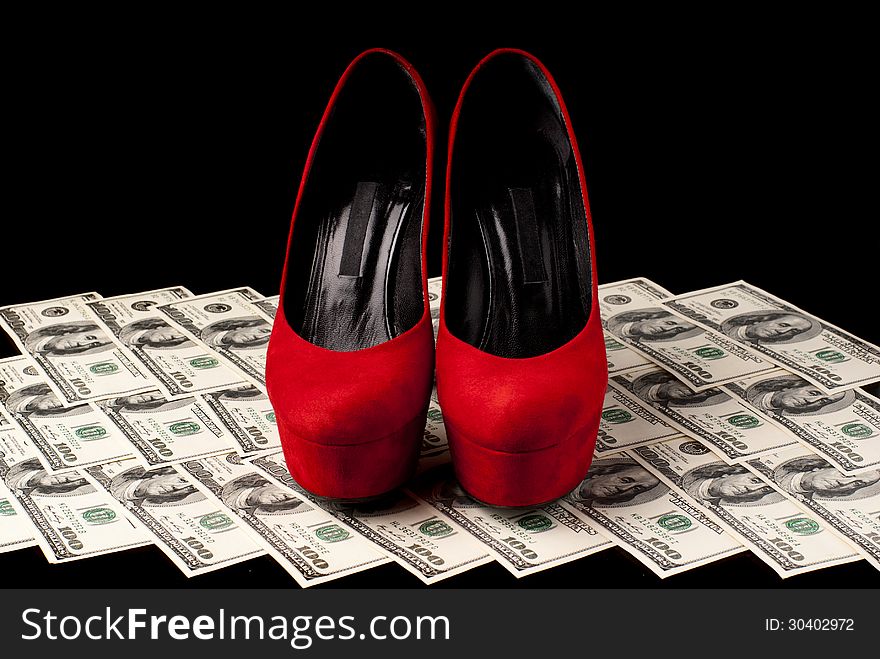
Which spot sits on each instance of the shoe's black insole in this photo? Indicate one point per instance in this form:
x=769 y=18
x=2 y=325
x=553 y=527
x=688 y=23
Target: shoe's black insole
x=350 y=299
x=530 y=302
x=354 y=277
x=519 y=272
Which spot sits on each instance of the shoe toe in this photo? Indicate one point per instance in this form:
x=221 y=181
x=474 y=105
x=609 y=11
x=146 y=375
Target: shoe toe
x=333 y=397
x=514 y=405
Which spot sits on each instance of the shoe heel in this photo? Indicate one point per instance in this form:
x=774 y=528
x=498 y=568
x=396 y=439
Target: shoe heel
x=499 y=478
x=353 y=471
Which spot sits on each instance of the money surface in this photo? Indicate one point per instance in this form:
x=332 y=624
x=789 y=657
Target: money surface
x=190 y=528
x=799 y=342
x=70 y=519
x=15 y=531
x=248 y=416
x=227 y=324
x=844 y=427
x=620 y=358
x=65 y=437
x=782 y=534
x=632 y=312
x=165 y=431
x=850 y=504
x=435 y=289
x=711 y=415
x=523 y=540
x=434 y=450
x=80 y=360
x=306 y=541
x=650 y=521
x=787 y=463
x=179 y=365
x=415 y=535
x=267 y=306
x=625 y=423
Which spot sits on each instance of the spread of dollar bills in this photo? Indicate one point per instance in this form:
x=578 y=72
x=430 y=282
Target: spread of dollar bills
x=783 y=334
x=733 y=422
x=178 y=364
x=633 y=313
x=69 y=517
x=78 y=358
x=307 y=541
x=228 y=326
x=650 y=520
x=63 y=437
x=711 y=415
x=523 y=540
x=783 y=534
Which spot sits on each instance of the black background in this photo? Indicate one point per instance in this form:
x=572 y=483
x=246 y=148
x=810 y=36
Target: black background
x=174 y=158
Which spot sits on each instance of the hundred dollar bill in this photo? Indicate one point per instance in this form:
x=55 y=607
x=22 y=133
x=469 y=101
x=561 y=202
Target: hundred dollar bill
x=180 y=366
x=711 y=415
x=416 y=536
x=435 y=289
x=15 y=530
x=247 y=415
x=70 y=518
x=632 y=312
x=779 y=532
x=655 y=524
x=620 y=358
x=849 y=503
x=65 y=437
x=625 y=423
x=306 y=541
x=523 y=540
x=191 y=528
x=434 y=450
x=844 y=427
x=814 y=349
x=267 y=306
x=166 y=431
x=228 y=324
x=80 y=360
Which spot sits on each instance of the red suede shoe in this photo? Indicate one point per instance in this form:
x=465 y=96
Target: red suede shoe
x=350 y=360
x=521 y=368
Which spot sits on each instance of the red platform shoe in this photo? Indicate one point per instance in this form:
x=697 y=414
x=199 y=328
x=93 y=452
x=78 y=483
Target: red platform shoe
x=521 y=368
x=350 y=360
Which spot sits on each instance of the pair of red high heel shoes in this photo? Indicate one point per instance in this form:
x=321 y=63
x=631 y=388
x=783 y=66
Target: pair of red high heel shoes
x=521 y=368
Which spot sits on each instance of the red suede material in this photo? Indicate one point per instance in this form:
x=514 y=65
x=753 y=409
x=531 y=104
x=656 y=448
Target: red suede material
x=521 y=431
x=351 y=422
x=522 y=479
x=347 y=398
x=354 y=471
x=521 y=405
